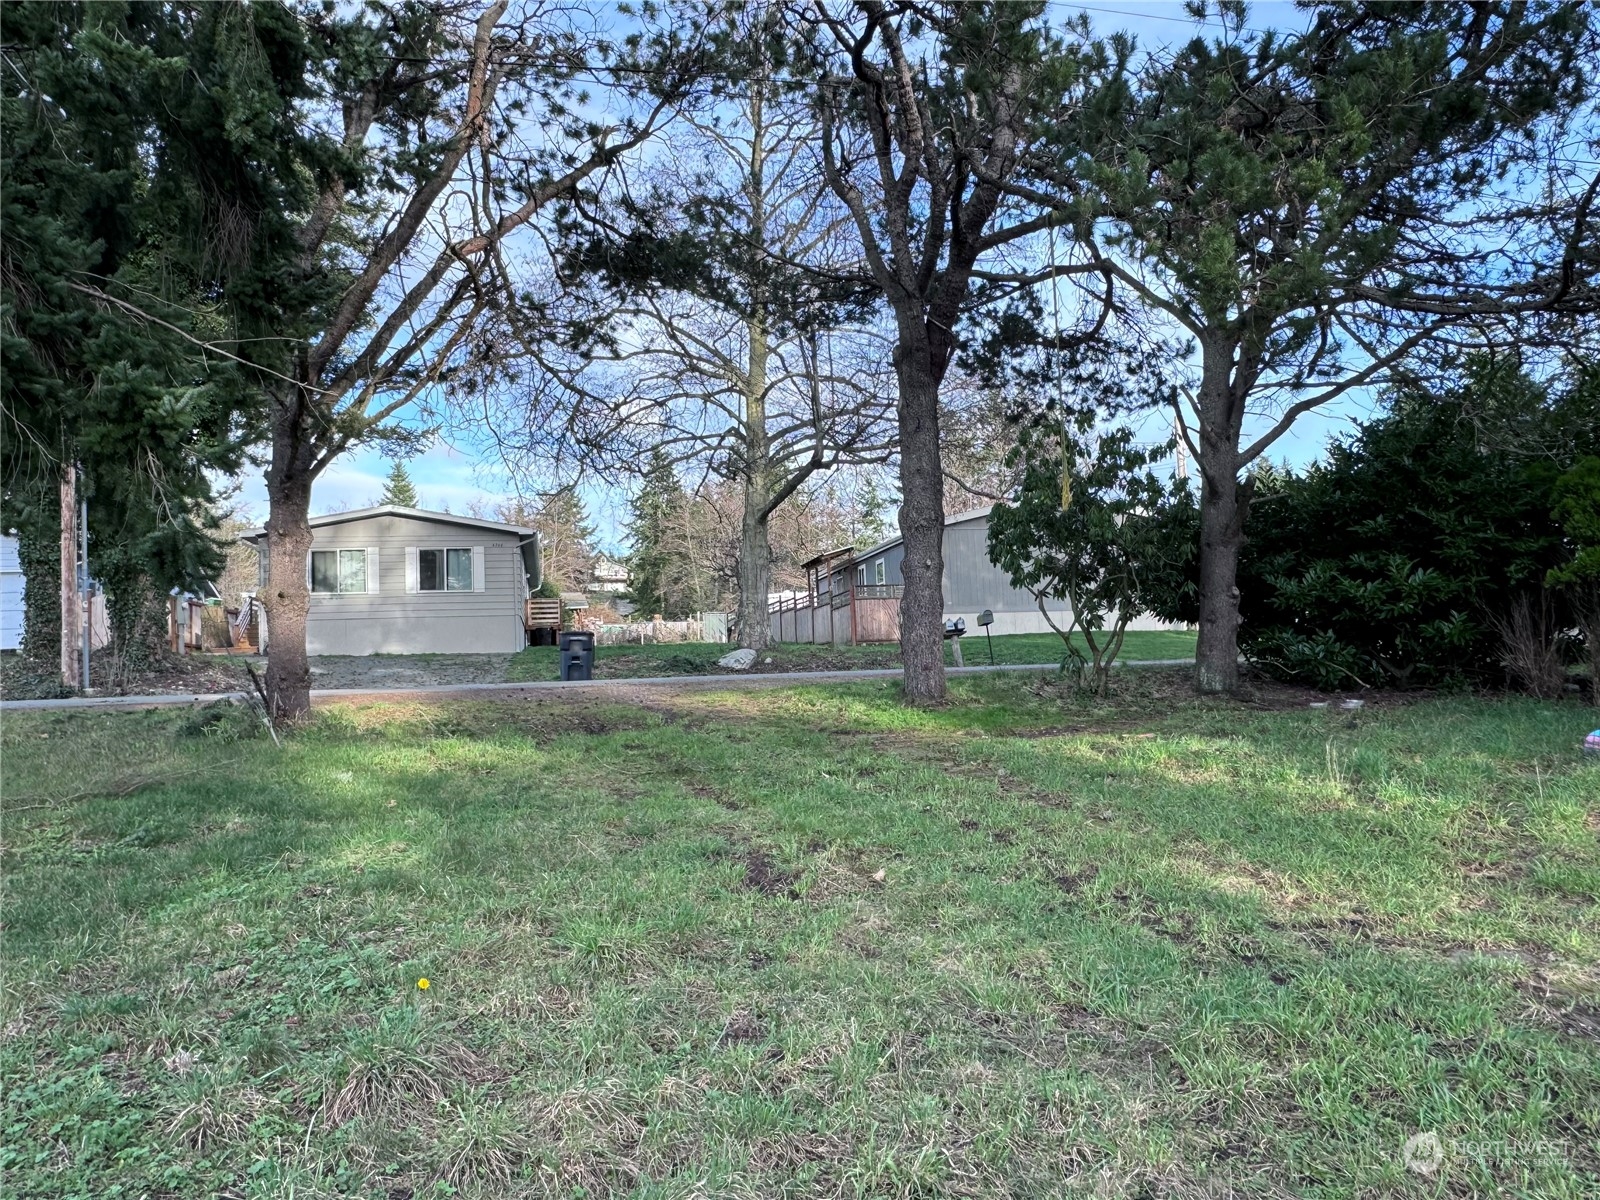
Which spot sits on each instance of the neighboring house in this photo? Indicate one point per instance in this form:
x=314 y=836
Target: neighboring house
x=608 y=577
x=395 y=580
x=854 y=597
x=12 y=582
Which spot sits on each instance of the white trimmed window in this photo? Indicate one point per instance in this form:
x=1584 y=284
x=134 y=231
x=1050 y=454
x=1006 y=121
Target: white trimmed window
x=455 y=569
x=341 y=572
x=878 y=572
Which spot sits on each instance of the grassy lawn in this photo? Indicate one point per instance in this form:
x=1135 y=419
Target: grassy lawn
x=634 y=662
x=803 y=943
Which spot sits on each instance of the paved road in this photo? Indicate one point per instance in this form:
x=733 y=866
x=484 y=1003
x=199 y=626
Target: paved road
x=511 y=691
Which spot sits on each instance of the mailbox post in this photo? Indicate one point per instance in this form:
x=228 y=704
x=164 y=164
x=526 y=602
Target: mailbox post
x=953 y=632
x=986 y=619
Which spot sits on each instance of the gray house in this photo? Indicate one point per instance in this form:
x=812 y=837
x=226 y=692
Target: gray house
x=971 y=582
x=854 y=596
x=394 y=580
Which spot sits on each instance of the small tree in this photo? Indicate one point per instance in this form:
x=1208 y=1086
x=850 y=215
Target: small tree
x=1095 y=526
x=399 y=489
x=651 y=564
x=566 y=536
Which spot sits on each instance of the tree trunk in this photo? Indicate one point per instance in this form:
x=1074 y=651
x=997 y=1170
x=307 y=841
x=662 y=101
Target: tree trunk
x=1222 y=513
x=755 y=572
x=921 y=522
x=755 y=546
x=1223 y=504
x=71 y=604
x=287 y=596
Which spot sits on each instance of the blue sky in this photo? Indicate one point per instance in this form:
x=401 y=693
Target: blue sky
x=458 y=470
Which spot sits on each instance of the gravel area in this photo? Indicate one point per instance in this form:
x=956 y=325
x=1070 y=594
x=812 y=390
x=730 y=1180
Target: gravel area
x=406 y=670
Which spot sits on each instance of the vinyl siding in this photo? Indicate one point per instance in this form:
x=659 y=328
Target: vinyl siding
x=971 y=581
x=395 y=621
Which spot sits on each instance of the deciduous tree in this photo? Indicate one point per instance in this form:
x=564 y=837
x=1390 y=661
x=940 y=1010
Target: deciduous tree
x=566 y=536
x=721 y=311
x=457 y=131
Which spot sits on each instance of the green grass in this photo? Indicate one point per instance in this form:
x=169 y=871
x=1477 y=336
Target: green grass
x=633 y=662
x=804 y=942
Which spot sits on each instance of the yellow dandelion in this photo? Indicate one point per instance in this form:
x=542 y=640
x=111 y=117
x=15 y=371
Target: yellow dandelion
x=422 y=985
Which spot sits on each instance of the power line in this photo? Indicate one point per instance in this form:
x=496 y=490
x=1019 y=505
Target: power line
x=1143 y=16
x=1151 y=16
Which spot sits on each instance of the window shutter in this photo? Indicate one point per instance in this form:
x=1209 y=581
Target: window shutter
x=411 y=569
x=477 y=568
x=372 y=570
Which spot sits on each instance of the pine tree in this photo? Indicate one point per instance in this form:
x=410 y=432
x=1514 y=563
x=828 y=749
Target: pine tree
x=566 y=539
x=655 y=565
x=1312 y=208
x=145 y=166
x=399 y=489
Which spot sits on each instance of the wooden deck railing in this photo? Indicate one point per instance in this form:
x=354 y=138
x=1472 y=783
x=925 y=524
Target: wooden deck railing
x=879 y=591
x=542 y=613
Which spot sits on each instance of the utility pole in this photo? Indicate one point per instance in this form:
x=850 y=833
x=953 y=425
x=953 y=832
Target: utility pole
x=71 y=607
x=86 y=590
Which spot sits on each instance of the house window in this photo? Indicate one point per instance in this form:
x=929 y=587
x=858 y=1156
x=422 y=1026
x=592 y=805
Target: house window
x=878 y=572
x=861 y=575
x=444 y=570
x=334 y=571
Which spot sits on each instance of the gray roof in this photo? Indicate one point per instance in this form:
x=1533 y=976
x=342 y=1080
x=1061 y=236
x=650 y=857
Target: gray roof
x=971 y=514
x=400 y=510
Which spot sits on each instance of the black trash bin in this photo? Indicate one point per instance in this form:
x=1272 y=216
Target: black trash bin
x=576 y=652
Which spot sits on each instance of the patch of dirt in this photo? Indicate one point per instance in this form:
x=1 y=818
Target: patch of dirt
x=1074 y=882
x=1568 y=1000
x=1260 y=692
x=742 y=1026
x=762 y=874
x=170 y=675
x=406 y=670
x=819 y=658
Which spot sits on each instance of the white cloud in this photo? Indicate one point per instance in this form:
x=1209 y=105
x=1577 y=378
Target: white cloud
x=444 y=477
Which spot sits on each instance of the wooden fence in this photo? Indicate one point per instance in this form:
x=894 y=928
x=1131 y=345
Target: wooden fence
x=872 y=614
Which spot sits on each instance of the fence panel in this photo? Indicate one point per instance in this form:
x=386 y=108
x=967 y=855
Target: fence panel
x=878 y=620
